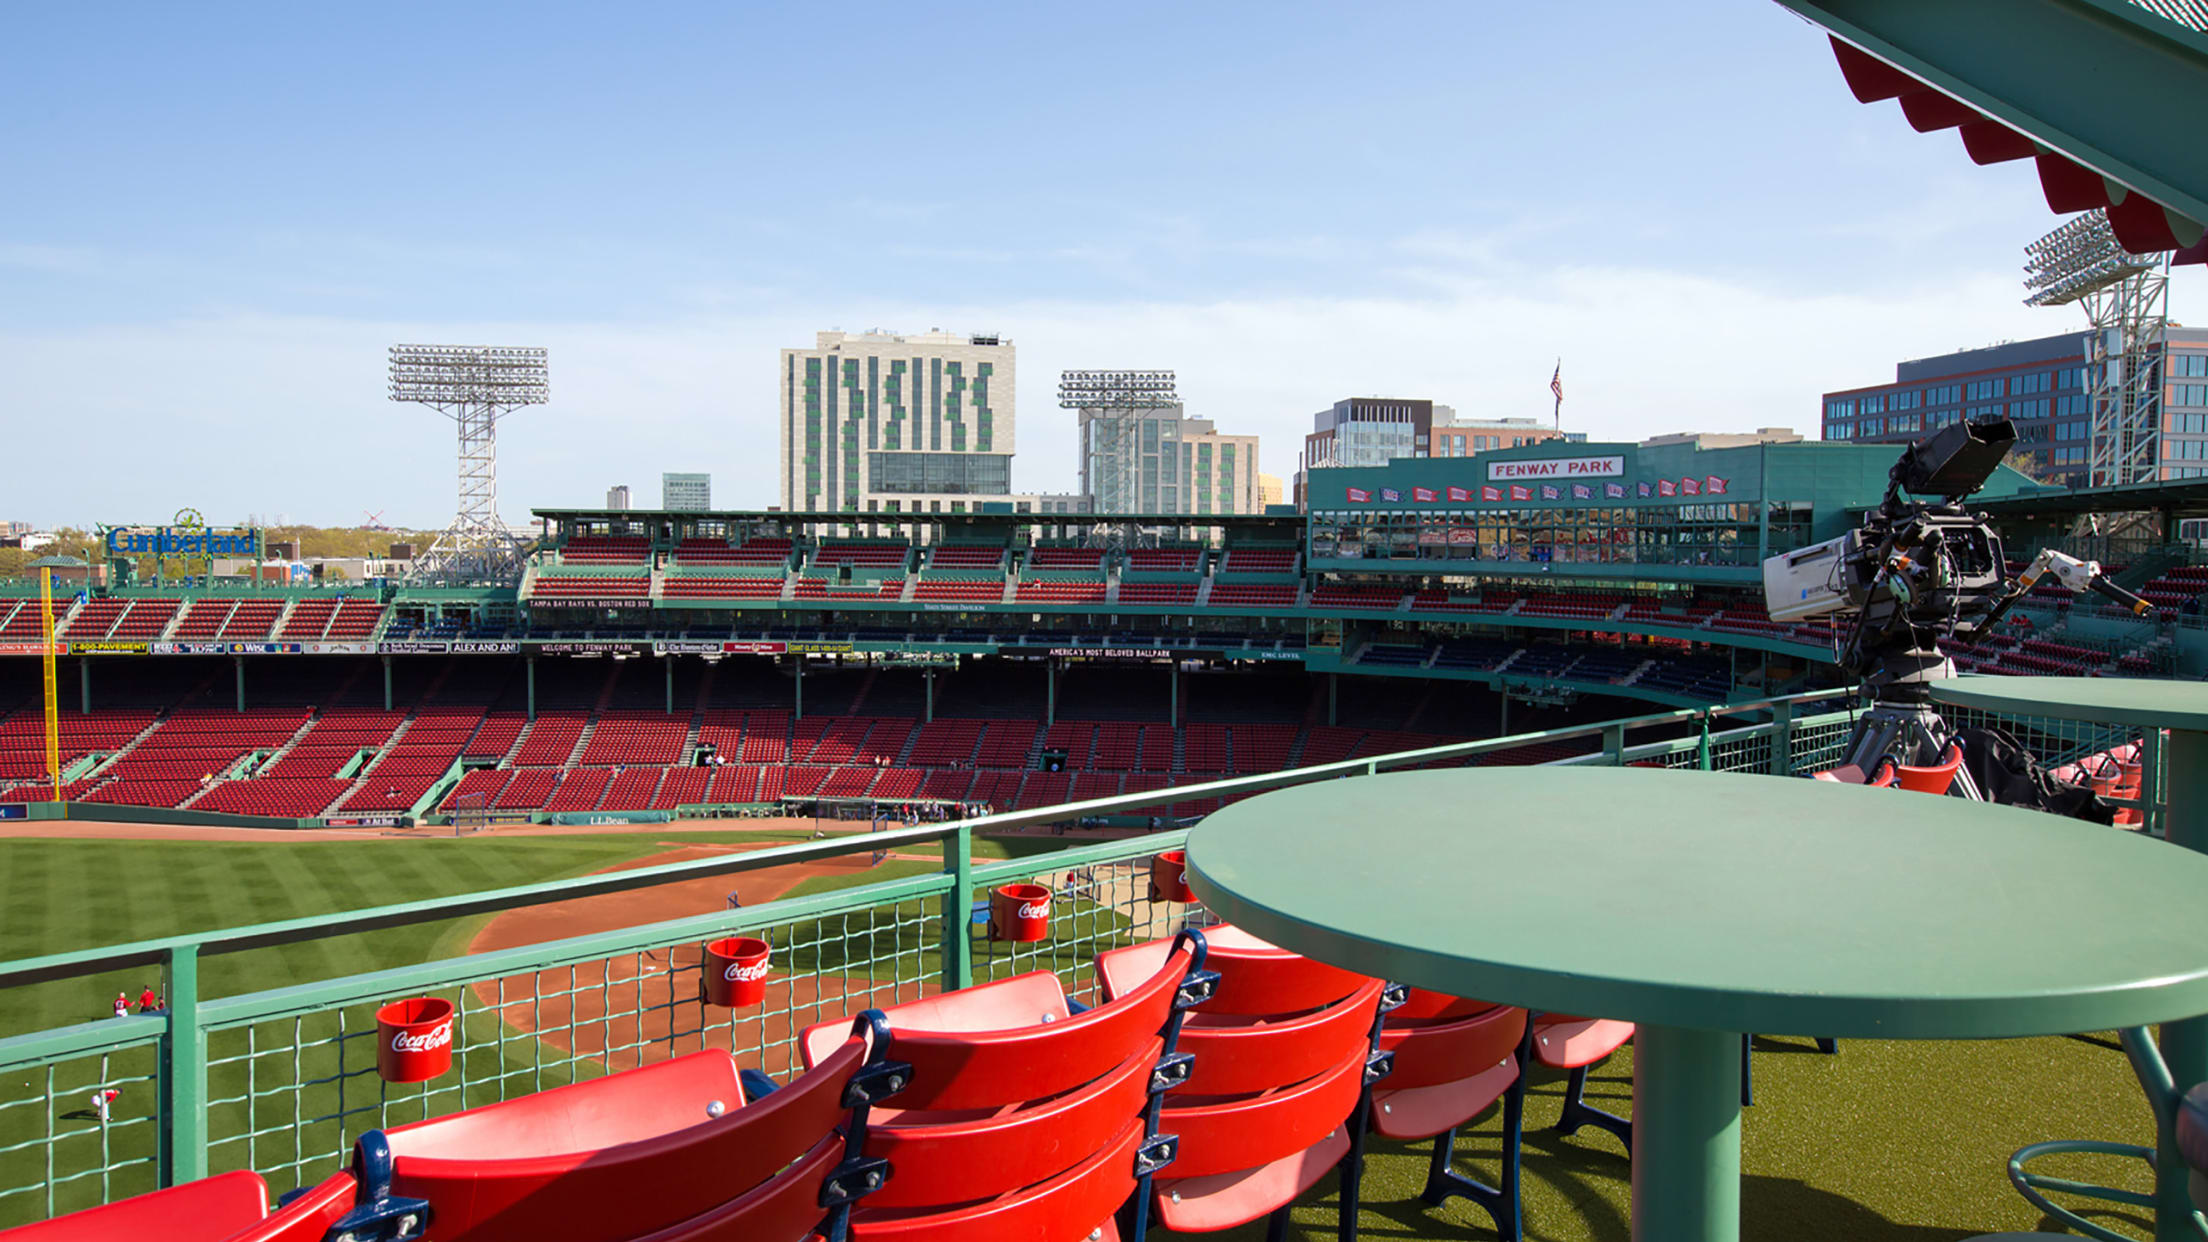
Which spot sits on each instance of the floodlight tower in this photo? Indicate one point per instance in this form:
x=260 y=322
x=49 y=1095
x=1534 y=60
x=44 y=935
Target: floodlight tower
x=474 y=386
x=2126 y=299
x=1110 y=405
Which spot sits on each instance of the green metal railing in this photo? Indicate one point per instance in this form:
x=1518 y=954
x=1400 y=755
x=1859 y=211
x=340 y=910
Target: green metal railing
x=280 y=1080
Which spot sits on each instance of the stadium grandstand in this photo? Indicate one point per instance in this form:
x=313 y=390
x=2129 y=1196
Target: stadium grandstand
x=664 y=663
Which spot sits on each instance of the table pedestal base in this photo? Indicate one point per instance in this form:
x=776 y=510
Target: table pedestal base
x=1686 y=1135
x=2184 y=1043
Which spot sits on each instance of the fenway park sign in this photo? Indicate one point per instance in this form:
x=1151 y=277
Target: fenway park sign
x=1558 y=468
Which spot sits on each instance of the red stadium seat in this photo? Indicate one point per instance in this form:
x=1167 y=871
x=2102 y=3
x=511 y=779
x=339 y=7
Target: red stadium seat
x=1026 y=1120
x=1453 y=1059
x=1277 y=1093
x=228 y=1207
x=1936 y=779
x=1568 y=1042
x=672 y=1150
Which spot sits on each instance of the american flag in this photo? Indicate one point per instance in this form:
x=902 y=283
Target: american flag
x=1556 y=385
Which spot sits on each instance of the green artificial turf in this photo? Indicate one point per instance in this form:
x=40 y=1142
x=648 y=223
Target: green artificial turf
x=1885 y=1142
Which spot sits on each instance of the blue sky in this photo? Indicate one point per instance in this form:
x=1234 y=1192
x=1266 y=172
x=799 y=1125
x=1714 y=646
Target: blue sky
x=217 y=217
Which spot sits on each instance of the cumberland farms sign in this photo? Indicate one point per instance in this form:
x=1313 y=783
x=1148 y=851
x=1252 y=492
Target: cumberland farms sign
x=187 y=536
x=1558 y=468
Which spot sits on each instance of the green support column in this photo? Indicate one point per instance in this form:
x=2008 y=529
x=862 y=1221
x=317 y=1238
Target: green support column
x=929 y=716
x=182 y=1140
x=1686 y=1135
x=530 y=666
x=1613 y=744
x=1782 y=740
x=387 y=683
x=800 y=688
x=240 y=661
x=84 y=684
x=1050 y=691
x=1702 y=744
x=669 y=661
x=2184 y=1044
x=1173 y=694
x=1502 y=727
x=1332 y=680
x=958 y=934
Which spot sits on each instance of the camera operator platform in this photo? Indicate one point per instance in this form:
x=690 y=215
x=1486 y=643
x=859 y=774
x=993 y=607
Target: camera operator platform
x=1914 y=573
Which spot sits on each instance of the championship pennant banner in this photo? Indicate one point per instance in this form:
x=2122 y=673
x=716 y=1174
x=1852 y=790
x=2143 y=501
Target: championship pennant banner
x=1705 y=485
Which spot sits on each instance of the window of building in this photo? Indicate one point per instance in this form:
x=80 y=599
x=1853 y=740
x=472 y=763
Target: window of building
x=1873 y=404
x=1842 y=408
x=2189 y=365
x=962 y=474
x=1840 y=431
x=2188 y=424
x=2028 y=409
x=2026 y=385
x=2189 y=394
x=1979 y=390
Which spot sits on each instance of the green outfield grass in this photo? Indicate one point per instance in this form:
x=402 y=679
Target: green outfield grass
x=1886 y=1142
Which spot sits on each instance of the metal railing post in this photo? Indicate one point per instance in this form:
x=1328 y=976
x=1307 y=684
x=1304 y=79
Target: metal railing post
x=183 y=1096
x=2150 y=783
x=958 y=936
x=1613 y=744
x=1782 y=739
x=1702 y=744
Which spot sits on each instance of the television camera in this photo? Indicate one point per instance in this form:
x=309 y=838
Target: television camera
x=1914 y=573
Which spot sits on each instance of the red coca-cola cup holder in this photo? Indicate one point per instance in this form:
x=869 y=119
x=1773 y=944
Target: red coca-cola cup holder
x=414 y=1039
x=736 y=971
x=1019 y=912
x=1169 y=877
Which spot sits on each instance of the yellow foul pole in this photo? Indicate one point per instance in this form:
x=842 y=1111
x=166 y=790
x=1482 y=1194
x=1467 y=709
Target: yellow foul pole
x=53 y=710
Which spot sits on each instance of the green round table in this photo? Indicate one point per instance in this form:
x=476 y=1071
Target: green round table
x=2140 y=706
x=1702 y=905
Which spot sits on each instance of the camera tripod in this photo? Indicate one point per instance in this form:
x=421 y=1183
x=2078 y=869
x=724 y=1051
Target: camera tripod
x=1905 y=732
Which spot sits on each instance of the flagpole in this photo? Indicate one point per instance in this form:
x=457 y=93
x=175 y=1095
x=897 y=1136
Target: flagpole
x=1556 y=385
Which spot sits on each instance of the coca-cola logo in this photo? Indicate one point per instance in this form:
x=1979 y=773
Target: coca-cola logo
x=438 y=1036
x=1181 y=879
x=1035 y=909
x=737 y=972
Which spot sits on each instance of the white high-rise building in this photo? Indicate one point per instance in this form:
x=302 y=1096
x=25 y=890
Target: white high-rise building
x=686 y=493
x=617 y=497
x=878 y=422
x=1162 y=461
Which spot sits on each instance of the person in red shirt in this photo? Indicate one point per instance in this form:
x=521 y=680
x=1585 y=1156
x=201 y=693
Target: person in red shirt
x=122 y=1005
x=148 y=1002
